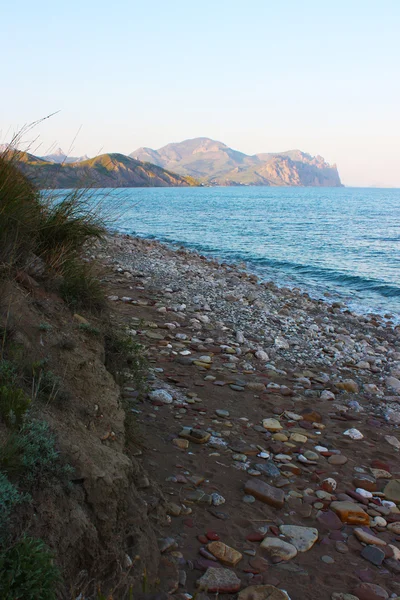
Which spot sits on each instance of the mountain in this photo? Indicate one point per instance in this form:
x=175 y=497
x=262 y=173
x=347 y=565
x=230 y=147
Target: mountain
x=104 y=171
x=215 y=163
x=60 y=157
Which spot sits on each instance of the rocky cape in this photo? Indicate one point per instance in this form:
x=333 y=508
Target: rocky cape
x=104 y=171
x=214 y=163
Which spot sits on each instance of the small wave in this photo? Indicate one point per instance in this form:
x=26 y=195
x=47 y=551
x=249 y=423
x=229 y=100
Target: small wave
x=317 y=274
x=355 y=282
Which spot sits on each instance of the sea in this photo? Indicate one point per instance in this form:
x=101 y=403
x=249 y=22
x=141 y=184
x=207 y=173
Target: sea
x=336 y=243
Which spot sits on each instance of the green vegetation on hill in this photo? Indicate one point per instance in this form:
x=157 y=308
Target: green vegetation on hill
x=104 y=171
x=215 y=163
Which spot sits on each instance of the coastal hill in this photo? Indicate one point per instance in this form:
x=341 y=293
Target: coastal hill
x=215 y=163
x=104 y=171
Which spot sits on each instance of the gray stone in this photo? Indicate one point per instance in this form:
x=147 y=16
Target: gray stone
x=268 y=468
x=219 y=580
x=303 y=538
x=277 y=549
x=161 y=396
x=374 y=555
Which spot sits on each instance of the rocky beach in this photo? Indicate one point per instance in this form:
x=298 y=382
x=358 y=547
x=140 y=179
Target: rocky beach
x=271 y=426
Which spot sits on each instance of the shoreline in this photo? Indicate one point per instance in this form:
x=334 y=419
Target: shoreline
x=258 y=387
x=331 y=297
x=331 y=294
x=291 y=327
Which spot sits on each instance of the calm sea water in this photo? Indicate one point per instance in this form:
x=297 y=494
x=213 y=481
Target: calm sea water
x=345 y=241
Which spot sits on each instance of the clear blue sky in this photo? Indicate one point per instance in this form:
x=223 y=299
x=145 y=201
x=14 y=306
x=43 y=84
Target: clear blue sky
x=258 y=75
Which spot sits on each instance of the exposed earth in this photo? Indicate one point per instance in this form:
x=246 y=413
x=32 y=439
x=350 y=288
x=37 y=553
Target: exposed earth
x=271 y=426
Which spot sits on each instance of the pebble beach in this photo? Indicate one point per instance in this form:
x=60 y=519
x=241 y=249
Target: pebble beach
x=271 y=425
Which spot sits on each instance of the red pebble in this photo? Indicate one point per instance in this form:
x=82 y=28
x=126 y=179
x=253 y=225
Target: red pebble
x=202 y=539
x=273 y=529
x=255 y=537
x=212 y=536
x=252 y=571
x=188 y=522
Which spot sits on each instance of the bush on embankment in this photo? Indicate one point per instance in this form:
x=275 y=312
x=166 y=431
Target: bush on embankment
x=44 y=238
x=35 y=228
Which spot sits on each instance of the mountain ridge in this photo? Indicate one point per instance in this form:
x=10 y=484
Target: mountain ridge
x=59 y=156
x=104 y=171
x=215 y=163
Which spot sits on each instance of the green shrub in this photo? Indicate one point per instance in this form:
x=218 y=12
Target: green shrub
x=124 y=354
x=31 y=456
x=8 y=372
x=80 y=287
x=55 y=230
x=46 y=386
x=27 y=571
x=65 y=228
x=87 y=328
x=10 y=497
x=13 y=405
x=20 y=212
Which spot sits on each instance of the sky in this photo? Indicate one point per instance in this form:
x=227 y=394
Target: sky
x=260 y=76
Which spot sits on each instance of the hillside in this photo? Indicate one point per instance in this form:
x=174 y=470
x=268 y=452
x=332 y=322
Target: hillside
x=215 y=163
x=104 y=171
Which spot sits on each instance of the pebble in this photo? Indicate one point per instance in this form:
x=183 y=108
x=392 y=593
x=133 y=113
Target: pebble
x=368 y=538
x=224 y=414
x=268 y=468
x=225 y=554
x=174 y=509
x=166 y=543
x=302 y=538
x=219 y=580
x=370 y=591
x=161 y=396
x=337 y=460
x=310 y=455
x=393 y=441
x=262 y=592
x=327 y=559
x=272 y=425
x=392 y=490
x=217 y=499
x=350 y=512
x=327 y=395
x=394 y=527
x=298 y=438
x=266 y=493
x=248 y=499
x=181 y=443
x=341 y=547
x=278 y=550
x=373 y=554
x=354 y=434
